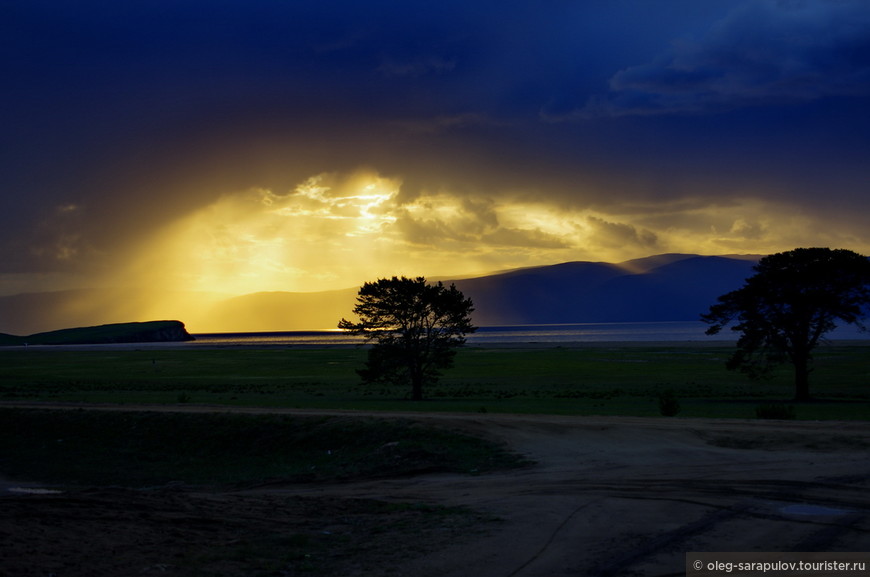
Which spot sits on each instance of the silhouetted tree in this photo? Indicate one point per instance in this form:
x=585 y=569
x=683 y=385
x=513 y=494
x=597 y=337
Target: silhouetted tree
x=786 y=308
x=415 y=326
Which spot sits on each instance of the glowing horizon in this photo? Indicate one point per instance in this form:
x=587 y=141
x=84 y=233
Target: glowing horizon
x=334 y=232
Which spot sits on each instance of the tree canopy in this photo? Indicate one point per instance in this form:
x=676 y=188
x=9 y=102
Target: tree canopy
x=415 y=326
x=787 y=307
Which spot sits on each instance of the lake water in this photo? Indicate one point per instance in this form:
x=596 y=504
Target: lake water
x=562 y=333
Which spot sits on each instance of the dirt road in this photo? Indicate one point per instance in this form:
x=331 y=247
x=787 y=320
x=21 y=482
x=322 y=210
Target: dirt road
x=626 y=496
x=629 y=496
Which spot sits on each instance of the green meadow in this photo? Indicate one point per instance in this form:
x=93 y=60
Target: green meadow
x=578 y=380
x=140 y=448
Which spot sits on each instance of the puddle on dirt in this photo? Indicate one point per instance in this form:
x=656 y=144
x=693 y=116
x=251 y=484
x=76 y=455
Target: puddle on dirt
x=813 y=510
x=33 y=491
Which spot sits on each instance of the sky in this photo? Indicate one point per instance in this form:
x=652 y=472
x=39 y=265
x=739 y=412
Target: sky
x=230 y=147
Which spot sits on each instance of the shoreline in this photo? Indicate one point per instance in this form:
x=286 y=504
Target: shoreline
x=194 y=345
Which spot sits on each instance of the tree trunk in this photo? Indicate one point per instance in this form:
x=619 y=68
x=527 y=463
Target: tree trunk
x=801 y=379
x=416 y=386
x=416 y=373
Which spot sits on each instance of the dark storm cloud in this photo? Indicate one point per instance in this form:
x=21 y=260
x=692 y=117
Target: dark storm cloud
x=764 y=52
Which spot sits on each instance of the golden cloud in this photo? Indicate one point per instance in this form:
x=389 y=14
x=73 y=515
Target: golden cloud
x=335 y=231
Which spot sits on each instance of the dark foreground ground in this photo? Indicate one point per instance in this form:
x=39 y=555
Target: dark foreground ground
x=608 y=496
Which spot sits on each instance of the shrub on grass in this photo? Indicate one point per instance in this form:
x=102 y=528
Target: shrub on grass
x=669 y=405
x=775 y=411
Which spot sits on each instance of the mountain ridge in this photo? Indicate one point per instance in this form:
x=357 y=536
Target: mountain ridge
x=666 y=287
x=675 y=288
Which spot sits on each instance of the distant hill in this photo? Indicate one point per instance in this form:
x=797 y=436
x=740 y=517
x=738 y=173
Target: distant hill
x=668 y=287
x=152 y=331
x=30 y=313
x=674 y=287
x=671 y=287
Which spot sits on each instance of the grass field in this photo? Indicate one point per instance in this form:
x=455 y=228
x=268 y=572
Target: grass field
x=601 y=380
x=135 y=449
x=132 y=492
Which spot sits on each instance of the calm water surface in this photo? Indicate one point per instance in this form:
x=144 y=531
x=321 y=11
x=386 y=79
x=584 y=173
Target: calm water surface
x=591 y=332
x=680 y=331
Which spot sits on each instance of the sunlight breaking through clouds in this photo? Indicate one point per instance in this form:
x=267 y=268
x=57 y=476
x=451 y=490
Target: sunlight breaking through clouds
x=335 y=231
x=359 y=201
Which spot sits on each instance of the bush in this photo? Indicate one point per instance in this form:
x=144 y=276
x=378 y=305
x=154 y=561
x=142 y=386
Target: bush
x=669 y=406
x=775 y=411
